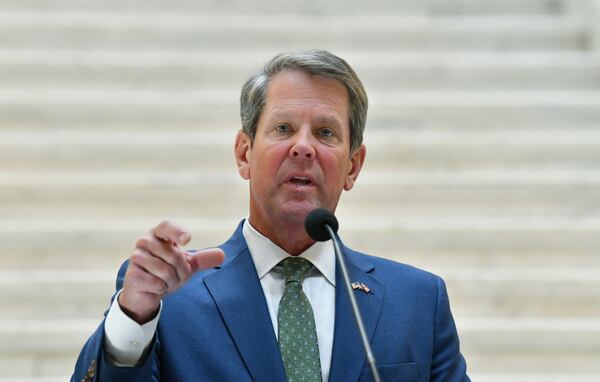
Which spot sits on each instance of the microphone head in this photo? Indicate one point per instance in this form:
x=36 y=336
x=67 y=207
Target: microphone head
x=315 y=224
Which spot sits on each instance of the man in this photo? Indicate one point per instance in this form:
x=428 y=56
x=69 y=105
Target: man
x=268 y=305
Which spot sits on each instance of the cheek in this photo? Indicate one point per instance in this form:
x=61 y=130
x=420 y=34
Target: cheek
x=335 y=168
x=267 y=163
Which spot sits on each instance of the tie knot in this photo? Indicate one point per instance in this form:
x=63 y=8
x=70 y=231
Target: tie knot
x=295 y=268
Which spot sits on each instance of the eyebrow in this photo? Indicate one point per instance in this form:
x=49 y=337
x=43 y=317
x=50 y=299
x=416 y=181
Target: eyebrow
x=328 y=120
x=281 y=115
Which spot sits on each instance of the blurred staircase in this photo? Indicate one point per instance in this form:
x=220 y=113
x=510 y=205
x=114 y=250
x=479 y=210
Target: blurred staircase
x=483 y=158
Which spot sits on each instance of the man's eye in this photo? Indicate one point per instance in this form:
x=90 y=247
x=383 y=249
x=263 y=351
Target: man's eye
x=282 y=128
x=326 y=132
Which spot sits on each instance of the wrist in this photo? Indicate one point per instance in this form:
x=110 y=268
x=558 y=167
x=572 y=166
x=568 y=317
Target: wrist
x=139 y=315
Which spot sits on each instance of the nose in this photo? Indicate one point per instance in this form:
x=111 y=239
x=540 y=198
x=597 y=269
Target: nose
x=303 y=147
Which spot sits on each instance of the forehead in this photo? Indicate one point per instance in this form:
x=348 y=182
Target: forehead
x=293 y=92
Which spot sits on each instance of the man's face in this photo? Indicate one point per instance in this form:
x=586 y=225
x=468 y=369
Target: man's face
x=300 y=158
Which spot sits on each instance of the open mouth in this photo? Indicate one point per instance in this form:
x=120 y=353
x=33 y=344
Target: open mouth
x=300 y=180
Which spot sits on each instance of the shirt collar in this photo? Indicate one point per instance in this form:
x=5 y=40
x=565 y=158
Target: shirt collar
x=266 y=254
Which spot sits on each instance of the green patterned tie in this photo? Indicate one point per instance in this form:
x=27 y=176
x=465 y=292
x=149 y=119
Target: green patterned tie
x=297 y=334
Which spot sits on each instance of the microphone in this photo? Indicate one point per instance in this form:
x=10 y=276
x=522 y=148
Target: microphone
x=321 y=225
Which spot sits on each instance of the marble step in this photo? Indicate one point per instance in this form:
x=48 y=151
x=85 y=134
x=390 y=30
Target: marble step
x=495 y=7
x=56 y=370
x=481 y=377
x=475 y=292
x=96 y=196
x=500 y=345
x=109 y=253
x=531 y=345
x=439 y=247
x=105 y=242
x=546 y=247
x=221 y=136
x=186 y=30
x=171 y=69
x=523 y=292
x=52 y=366
x=534 y=377
x=203 y=109
x=67 y=150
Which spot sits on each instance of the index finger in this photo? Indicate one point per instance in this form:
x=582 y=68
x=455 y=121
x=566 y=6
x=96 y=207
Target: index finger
x=173 y=232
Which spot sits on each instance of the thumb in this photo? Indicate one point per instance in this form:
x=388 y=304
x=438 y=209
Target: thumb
x=206 y=258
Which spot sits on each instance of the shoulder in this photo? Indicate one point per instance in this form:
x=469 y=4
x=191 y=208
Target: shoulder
x=408 y=292
x=394 y=273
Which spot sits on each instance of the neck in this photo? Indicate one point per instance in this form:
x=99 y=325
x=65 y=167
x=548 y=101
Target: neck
x=292 y=238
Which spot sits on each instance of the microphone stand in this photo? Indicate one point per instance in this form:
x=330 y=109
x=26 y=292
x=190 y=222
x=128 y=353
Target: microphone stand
x=357 y=316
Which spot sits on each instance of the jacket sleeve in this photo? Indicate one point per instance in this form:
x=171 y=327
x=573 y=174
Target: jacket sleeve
x=448 y=364
x=92 y=364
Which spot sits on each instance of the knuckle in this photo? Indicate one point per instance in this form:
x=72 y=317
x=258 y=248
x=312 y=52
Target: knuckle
x=137 y=256
x=164 y=224
x=154 y=247
x=161 y=273
x=140 y=287
x=169 y=253
x=134 y=274
x=143 y=242
x=158 y=285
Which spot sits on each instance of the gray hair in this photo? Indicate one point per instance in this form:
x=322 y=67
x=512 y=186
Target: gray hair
x=314 y=62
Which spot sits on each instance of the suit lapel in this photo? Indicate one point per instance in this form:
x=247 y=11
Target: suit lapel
x=237 y=292
x=348 y=357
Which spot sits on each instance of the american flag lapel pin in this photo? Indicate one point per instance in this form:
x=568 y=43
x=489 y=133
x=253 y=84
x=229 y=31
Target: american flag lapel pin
x=356 y=285
x=365 y=288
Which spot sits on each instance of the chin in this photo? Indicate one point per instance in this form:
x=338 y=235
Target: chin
x=297 y=212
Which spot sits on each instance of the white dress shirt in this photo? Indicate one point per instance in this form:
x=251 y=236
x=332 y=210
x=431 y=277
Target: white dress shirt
x=126 y=340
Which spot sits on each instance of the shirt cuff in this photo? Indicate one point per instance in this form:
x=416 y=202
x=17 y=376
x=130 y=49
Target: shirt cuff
x=125 y=341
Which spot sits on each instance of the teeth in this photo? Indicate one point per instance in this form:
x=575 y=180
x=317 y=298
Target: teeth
x=300 y=179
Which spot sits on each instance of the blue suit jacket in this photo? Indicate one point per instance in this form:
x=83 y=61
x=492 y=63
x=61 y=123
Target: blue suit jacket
x=217 y=327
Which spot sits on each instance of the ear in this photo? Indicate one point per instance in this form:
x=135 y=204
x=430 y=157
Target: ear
x=356 y=162
x=242 y=150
